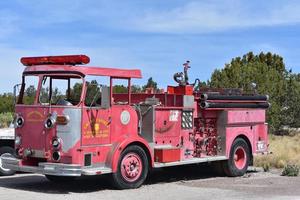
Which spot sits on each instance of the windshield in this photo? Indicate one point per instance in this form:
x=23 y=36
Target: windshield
x=28 y=90
x=60 y=90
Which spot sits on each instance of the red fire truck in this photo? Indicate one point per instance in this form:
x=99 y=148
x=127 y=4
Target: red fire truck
x=77 y=123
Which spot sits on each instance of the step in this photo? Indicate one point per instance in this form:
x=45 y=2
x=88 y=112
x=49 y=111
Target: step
x=89 y=171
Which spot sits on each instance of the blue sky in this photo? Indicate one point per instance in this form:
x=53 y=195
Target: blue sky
x=156 y=36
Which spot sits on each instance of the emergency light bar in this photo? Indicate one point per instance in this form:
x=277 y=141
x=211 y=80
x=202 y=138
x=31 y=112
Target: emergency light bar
x=56 y=60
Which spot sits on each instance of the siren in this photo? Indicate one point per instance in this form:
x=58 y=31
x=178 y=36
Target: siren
x=56 y=60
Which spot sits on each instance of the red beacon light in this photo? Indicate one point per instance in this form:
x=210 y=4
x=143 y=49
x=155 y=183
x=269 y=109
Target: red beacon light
x=56 y=60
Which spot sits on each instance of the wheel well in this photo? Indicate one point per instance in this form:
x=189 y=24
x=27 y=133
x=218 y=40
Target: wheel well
x=145 y=149
x=249 y=144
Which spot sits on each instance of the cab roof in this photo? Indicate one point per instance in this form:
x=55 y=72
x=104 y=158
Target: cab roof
x=72 y=64
x=83 y=71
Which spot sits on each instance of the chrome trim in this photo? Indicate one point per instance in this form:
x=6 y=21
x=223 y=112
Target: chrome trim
x=59 y=142
x=70 y=133
x=96 y=171
x=18 y=140
x=190 y=161
x=51 y=120
x=56 y=169
x=17 y=119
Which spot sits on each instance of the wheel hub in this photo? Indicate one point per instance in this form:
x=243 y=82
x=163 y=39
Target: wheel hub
x=240 y=158
x=131 y=167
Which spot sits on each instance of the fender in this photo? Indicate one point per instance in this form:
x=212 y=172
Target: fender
x=119 y=146
x=246 y=136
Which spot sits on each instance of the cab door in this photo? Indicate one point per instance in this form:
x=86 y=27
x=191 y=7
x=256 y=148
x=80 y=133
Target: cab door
x=96 y=116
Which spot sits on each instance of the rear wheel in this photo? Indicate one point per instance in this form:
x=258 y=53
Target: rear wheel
x=132 y=168
x=239 y=158
x=6 y=150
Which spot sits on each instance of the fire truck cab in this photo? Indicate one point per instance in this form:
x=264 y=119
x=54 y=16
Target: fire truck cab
x=79 y=124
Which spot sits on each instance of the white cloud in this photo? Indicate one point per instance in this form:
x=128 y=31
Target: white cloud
x=202 y=17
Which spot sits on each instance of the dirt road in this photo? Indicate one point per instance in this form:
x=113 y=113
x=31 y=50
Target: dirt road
x=190 y=182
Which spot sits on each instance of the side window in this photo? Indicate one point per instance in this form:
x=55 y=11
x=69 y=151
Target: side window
x=120 y=91
x=31 y=84
x=95 y=86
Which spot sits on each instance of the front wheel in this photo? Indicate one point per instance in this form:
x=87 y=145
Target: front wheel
x=239 y=159
x=132 y=168
x=3 y=171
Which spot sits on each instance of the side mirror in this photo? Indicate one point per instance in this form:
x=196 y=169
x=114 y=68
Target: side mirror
x=105 y=97
x=16 y=90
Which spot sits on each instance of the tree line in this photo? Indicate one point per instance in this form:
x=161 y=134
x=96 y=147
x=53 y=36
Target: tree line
x=269 y=73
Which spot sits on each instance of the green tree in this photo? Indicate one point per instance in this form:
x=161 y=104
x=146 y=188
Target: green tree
x=136 y=89
x=7 y=103
x=269 y=73
x=29 y=95
x=291 y=109
x=150 y=84
x=75 y=92
x=120 y=89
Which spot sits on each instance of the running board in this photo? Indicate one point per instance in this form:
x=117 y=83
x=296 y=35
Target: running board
x=95 y=171
x=190 y=161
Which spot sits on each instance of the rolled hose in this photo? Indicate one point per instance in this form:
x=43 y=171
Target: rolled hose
x=234 y=97
x=205 y=104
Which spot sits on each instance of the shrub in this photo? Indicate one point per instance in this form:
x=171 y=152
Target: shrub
x=266 y=167
x=290 y=170
x=5 y=119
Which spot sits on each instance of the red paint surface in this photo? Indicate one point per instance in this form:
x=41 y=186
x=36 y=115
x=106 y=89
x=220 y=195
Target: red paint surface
x=167 y=155
x=96 y=71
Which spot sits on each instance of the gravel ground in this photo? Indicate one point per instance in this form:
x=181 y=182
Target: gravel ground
x=183 y=182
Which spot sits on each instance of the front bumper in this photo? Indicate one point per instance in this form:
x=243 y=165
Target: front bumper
x=56 y=169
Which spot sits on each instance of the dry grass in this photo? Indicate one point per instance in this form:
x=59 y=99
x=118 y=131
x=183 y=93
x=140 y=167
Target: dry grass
x=5 y=119
x=285 y=150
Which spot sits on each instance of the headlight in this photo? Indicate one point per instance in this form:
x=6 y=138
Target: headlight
x=56 y=156
x=19 y=121
x=49 y=123
x=56 y=143
x=18 y=140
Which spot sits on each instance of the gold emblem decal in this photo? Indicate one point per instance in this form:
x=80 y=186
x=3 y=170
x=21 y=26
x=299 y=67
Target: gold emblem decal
x=35 y=116
x=98 y=129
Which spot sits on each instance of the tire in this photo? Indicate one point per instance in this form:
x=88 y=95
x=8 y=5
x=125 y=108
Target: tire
x=132 y=168
x=60 y=179
x=3 y=171
x=239 y=159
